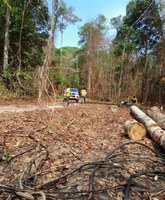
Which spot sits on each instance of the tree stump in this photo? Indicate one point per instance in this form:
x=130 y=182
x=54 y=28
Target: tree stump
x=134 y=129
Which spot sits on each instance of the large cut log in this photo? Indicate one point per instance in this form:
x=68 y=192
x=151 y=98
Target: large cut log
x=152 y=127
x=156 y=114
x=134 y=129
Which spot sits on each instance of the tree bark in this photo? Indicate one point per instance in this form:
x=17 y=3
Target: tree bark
x=43 y=71
x=134 y=129
x=157 y=116
x=144 y=77
x=89 y=53
x=121 y=73
x=152 y=127
x=20 y=45
x=6 y=41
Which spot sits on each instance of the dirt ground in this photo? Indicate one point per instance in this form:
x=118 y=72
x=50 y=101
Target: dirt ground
x=54 y=151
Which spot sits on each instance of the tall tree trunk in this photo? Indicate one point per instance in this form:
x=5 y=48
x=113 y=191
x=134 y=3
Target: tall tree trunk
x=89 y=80
x=148 y=84
x=6 y=41
x=54 y=18
x=43 y=71
x=110 y=78
x=89 y=52
x=20 y=45
x=121 y=73
x=61 y=51
x=144 y=77
x=162 y=14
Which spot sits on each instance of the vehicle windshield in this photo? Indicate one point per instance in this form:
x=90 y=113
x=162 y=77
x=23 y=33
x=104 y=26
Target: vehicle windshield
x=73 y=90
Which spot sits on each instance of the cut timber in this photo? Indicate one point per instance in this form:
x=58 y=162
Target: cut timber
x=134 y=129
x=152 y=127
x=157 y=116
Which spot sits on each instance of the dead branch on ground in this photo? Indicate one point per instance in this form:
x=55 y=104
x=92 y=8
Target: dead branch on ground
x=119 y=174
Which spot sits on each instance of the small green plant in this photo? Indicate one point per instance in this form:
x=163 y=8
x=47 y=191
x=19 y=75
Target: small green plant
x=6 y=155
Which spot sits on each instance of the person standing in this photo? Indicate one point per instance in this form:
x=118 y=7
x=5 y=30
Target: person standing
x=83 y=94
x=127 y=101
x=67 y=93
x=134 y=100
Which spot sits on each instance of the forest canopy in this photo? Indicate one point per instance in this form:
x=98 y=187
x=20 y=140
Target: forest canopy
x=131 y=63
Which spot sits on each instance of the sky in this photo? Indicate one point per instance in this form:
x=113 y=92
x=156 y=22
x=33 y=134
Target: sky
x=88 y=10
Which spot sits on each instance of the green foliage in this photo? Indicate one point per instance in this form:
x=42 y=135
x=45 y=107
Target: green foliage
x=24 y=75
x=65 y=69
x=8 y=74
x=10 y=79
x=144 y=17
x=66 y=16
x=116 y=22
x=141 y=27
x=34 y=33
x=117 y=71
x=71 y=50
x=100 y=23
x=6 y=3
x=57 y=78
x=119 y=49
x=5 y=93
x=6 y=155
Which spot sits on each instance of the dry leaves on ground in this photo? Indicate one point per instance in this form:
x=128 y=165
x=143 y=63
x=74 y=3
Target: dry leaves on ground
x=77 y=152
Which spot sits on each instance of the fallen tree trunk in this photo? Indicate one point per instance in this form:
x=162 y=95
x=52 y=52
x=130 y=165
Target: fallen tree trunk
x=152 y=127
x=134 y=129
x=157 y=116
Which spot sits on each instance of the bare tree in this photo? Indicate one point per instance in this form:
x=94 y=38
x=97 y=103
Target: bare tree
x=121 y=73
x=43 y=71
x=6 y=41
x=20 y=44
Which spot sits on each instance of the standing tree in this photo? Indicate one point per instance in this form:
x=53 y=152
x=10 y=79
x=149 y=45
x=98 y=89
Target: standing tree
x=61 y=16
x=43 y=72
x=124 y=50
x=92 y=37
x=28 y=33
x=6 y=34
x=143 y=17
x=137 y=34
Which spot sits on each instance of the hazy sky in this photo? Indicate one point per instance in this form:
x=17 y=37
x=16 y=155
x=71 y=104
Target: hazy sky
x=87 y=10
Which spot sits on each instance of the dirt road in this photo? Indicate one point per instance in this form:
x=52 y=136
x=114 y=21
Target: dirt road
x=28 y=108
x=22 y=106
